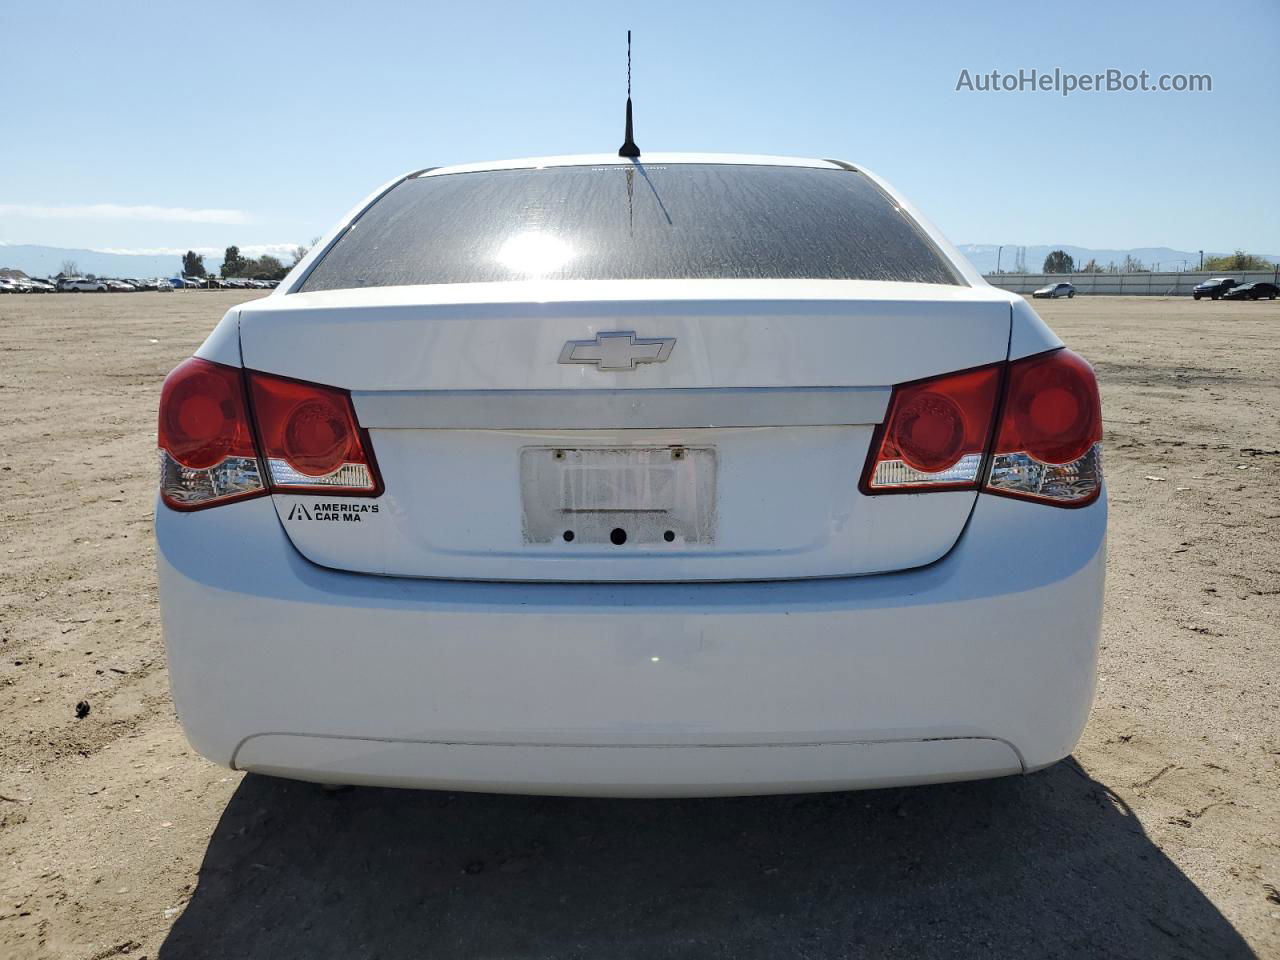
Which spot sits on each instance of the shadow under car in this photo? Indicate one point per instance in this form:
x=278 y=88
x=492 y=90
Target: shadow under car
x=1050 y=865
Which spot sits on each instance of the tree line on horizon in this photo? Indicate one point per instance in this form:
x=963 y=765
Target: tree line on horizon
x=1059 y=261
x=235 y=264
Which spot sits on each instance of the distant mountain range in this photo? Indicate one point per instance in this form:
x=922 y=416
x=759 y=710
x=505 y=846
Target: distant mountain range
x=984 y=256
x=37 y=261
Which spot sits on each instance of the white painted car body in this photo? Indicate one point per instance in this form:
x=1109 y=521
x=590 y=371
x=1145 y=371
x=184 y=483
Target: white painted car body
x=85 y=286
x=1053 y=291
x=823 y=640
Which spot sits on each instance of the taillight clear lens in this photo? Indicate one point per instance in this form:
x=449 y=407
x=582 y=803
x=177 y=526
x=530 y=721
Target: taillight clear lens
x=1073 y=484
x=207 y=455
x=310 y=437
x=935 y=433
x=1048 y=445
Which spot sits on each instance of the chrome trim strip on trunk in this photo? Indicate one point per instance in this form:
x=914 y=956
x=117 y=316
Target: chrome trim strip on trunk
x=620 y=409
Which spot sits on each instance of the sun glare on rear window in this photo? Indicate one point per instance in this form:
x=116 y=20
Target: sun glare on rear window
x=633 y=221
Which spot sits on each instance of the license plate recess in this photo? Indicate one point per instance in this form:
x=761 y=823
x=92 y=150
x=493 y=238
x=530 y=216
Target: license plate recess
x=603 y=495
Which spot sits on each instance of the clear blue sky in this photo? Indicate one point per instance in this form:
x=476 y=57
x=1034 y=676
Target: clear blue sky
x=130 y=127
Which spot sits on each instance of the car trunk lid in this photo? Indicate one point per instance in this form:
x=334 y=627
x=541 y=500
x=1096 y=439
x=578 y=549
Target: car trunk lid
x=735 y=456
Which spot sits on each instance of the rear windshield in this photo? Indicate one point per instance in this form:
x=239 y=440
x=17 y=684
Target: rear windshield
x=632 y=221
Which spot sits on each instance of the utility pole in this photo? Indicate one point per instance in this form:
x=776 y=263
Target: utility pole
x=1201 y=259
x=999 y=250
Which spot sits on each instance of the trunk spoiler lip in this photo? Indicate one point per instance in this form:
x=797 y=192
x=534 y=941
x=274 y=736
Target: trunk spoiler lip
x=756 y=294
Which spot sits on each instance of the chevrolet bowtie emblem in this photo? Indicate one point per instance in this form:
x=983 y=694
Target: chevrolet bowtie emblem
x=618 y=351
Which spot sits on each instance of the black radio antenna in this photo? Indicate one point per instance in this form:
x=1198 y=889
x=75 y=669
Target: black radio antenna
x=629 y=148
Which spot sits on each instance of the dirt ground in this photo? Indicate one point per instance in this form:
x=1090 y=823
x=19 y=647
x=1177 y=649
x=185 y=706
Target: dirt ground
x=1161 y=837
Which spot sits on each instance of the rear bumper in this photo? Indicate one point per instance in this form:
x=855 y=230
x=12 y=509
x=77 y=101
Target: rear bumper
x=663 y=771
x=979 y=665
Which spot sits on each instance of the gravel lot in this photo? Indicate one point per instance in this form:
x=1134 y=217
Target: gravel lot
x=1161 y=837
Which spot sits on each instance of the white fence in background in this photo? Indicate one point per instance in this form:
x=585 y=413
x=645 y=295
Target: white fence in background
x=1125 y=284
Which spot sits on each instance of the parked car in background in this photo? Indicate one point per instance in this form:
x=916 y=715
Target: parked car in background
x=1258 y=290
x=119 y=286
x=82 y=285
x=1214 y=287
x=21 y=285
x=42 y=286
x=1054 y=290
x=625 y=428
x=8 y=286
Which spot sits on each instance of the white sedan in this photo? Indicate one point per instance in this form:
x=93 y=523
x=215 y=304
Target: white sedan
x=1053 y=291
x=81 y=285
x=681 y=475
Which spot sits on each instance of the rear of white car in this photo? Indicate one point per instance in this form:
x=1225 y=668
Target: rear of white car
x=688 y=475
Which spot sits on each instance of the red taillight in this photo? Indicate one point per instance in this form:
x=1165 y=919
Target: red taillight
x=310 y=438
x=220 y=426
x=935 y=433
x=1048 y=445
x=206 y=446
x=1051 y=408
x=938 y=433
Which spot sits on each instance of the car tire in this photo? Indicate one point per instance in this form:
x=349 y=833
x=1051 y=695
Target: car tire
x=1195 y=296
x=1071 y=294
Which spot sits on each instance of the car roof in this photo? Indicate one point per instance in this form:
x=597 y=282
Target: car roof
x=666 y=159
